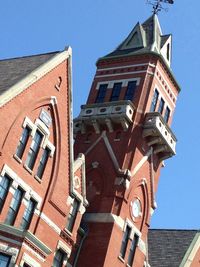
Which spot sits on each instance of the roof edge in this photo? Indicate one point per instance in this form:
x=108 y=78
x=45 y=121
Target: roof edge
x=34 y=76
x=191 y=252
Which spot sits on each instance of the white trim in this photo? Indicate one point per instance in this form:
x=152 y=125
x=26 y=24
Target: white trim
x=193 y=252
x=10 y=251
x=35 y=76
x=128 y=66
x=30 y=124
x=29 y=260
x=33 y=252
x=64 y=247
x=124 y=73
x=140 y=163
x=50 y=223
x=123 y=81
x=17 y=181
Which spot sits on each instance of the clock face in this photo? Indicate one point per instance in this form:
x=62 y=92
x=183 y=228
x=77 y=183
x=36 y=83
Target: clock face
x=136 y=209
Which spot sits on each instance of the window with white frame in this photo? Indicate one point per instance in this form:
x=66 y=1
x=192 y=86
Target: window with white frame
x=4 y=260
x=14 y=206
x=101 y=93
x=129 y=244
x=23 y=142
x=154 y=100
x=167 y=114
x=43 y=162
x=34 y=149
x=125 y=240
x=28 y=214
x=59 y=258
x=72 y=215
x=116 y=92
x=134 y=244
x=4 y=188
x=130 y=91
x=39 y=133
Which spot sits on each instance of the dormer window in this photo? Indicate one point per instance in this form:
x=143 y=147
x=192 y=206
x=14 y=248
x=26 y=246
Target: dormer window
x=116 y=91
x=101 y=93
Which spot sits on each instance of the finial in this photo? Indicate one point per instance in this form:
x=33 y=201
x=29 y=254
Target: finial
x=157 y=5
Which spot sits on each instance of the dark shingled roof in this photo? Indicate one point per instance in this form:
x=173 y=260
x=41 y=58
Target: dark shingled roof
x=14 y=69
x=168 y=247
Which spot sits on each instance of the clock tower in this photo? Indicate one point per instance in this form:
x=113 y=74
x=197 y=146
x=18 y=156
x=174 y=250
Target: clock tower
x=124 y=132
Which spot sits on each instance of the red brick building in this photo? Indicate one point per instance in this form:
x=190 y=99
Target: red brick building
x=42 y=189
x=122 y=136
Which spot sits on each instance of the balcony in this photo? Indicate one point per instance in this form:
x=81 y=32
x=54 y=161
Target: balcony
x=106 y=114
x=159 y=135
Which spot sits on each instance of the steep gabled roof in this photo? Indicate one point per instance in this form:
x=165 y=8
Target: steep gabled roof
x=167 y=248
x=14 y=69
x=144 y=38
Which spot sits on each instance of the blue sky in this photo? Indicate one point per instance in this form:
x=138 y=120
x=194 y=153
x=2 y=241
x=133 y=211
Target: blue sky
x=94 y=28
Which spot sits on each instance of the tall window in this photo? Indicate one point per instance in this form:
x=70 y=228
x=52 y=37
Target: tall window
x=72 y=215
x=33 y=151
x=167 y=114
x=43 y=162
x=132 y=250
x=4 y=260
x=116 y=91
x=28 y=215
x=4 y=187
x=101 y=93
x=125 y=241
x=154 y=101
x=22 y=142
x=161 y=106
x=130 y=92
x=59 y=258
x=14 y=206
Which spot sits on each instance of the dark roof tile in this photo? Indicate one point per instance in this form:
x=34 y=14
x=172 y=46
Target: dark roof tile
x=168 y=247
x=13 y=70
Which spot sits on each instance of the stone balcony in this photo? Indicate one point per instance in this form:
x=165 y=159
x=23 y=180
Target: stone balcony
x=159 y=135
x=104 y=115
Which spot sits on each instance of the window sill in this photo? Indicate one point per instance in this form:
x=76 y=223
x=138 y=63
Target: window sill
x=121 y=259
x=38 y=179
x=68 y=232
x=17 y=158
x=27 y=168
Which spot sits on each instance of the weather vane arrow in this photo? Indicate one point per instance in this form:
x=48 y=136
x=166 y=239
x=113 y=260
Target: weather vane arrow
x=157 y=4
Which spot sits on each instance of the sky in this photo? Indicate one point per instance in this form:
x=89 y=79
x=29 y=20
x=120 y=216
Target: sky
x=94 y=28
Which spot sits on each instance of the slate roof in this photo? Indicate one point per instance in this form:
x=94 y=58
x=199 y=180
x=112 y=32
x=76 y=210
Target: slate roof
x=152 y=39
x=14 y=69
x=167 y=247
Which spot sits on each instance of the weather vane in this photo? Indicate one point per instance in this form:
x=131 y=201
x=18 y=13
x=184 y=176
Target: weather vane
x=157 y=4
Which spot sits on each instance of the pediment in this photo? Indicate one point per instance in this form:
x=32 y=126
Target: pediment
x=135 y=39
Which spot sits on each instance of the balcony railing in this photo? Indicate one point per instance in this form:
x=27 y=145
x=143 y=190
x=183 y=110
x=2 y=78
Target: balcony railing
x=159 y=135
x=104 y=114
